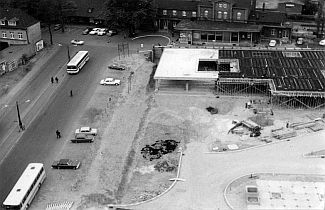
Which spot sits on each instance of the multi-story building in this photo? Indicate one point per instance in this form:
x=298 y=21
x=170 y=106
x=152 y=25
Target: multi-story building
x=228 y=21
x=19 y=28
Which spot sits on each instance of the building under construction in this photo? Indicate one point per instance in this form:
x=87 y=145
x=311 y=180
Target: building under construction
x=287 y=77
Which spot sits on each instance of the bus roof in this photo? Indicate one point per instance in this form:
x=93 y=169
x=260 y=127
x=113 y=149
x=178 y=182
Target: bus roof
x=23 y=184
x=74 y=61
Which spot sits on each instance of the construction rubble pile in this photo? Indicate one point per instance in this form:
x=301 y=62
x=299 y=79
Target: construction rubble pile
x=158 y=149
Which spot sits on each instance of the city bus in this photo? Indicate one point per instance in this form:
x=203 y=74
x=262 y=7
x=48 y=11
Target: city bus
x=77 y=62
x=25 y=189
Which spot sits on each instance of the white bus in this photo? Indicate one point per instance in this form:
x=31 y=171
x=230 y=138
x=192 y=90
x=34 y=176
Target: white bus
x=21 y=196
x=77 y=62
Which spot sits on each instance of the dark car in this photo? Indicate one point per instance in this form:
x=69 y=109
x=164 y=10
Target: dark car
x=66 y=164
x=116 y=67
x=83 y=138
x=86 y=31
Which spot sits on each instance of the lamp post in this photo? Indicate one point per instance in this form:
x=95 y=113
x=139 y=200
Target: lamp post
x=20 y=123
x=68 y=50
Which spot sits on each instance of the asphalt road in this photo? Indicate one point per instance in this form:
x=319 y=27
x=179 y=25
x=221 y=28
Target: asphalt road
x=39 y=143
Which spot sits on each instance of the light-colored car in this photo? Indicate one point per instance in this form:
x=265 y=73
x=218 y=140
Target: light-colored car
x=81 y=138
x=102 y=32
x=322 y=42
x=300 y=41
x=87 y=130
x=77 y=42
x=94 y=31
x=272 y=43
x=110 y=81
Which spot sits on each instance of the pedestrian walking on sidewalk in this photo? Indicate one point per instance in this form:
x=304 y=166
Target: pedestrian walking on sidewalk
x=56 y=80
x=71 y=93
x=58 y=134
x=52 y=80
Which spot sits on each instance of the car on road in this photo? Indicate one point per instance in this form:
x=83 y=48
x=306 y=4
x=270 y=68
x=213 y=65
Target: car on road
x=77 y=42
x=272 y=43
x=87 y=130
x=116 y=67
x=102 y=32
x=66 y=164
x=86 y=31
x=322 y=42
x=83 y=138
x=110 y=81
x=94 y=31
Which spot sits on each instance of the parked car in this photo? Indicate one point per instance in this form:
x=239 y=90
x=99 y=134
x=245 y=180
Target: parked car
x=77 y=42
x=66 y=164
x=87 y=130
x=94 y=31
x=272 y=43
x=110 y=81
x=300 y=41
x=116 y=67
x=111 y=32
x=102 y=32
x=322 y=42
x=57 y=27
x=86 y=31
x=83 y=138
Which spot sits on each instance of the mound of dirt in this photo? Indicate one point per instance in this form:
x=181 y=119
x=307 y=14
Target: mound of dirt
x=159 y=148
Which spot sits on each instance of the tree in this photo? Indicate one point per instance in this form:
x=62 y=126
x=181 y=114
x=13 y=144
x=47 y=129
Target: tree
x=128 y=14
x=309 y=8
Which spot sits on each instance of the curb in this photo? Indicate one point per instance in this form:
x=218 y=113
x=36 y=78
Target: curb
x=158 y=196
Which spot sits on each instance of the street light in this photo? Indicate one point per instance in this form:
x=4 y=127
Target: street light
x=20 y=123
x=68 y=51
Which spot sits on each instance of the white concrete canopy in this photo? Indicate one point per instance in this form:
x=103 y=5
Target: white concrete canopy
x=182 y=64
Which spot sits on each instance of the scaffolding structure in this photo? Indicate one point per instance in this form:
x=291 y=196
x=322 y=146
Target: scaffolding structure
x=266 y=88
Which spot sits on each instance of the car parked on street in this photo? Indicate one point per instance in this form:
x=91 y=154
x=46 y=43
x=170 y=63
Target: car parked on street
x=57 y=27
x=116 y=67
x=272 y=43
x=94 y=31
x=83 y=138
x=77 y=42
x=322 y=42
x=87 y=130
x=110 y=81
x=111 y=32
x=66 y=164
x=86 y=31
x=102 y=32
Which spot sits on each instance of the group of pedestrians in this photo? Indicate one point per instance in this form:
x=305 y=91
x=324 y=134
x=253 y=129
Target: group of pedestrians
x=56 y=80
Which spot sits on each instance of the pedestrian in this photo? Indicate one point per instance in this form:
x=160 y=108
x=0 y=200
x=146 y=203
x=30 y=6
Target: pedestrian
x=56 y=80
x=52 y=80
x=71 y=93
x=287 y=125
x=58 y=134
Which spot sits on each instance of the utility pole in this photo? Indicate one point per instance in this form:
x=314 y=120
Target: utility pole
x=20 y=123
x=68 y=52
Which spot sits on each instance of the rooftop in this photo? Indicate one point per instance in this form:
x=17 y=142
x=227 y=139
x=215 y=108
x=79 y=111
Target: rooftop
x=23 y=20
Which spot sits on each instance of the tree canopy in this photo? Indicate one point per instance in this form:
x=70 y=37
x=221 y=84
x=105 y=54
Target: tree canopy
x=128 y=14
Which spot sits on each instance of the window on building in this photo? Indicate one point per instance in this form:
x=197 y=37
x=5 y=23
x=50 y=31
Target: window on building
x=164 y=12
x=12 y=35
x=193 y=14
x=20 y=35
x=225 y=14
x=4 y=34
x=273 y=32
x=2 y=22
x=224 y=5
x=206 y=13
x=174 y=12
x=238 y=16
x=219 y=14
x=174 y=24
x=220 y=5
x=184 y=13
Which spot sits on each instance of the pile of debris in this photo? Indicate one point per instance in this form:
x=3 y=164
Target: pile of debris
x=159 y=148
x=254 y=128
x=212 y=110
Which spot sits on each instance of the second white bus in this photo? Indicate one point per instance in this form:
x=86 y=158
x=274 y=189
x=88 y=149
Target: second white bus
x=22 y=194
x=77 y=62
